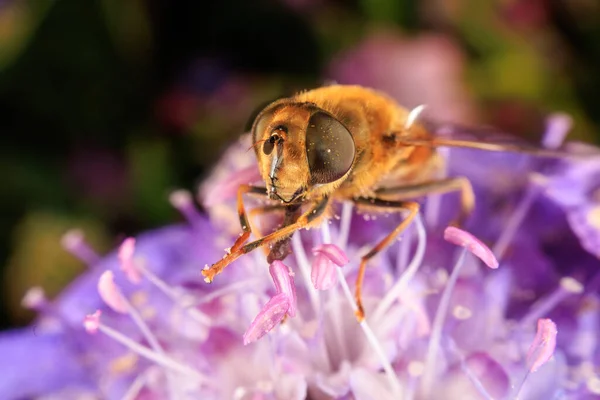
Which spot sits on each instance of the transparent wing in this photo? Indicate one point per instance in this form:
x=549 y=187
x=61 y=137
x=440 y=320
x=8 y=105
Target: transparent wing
x=482 y=138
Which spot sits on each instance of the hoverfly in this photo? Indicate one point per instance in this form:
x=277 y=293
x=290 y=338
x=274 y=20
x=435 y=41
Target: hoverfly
x=340 y=143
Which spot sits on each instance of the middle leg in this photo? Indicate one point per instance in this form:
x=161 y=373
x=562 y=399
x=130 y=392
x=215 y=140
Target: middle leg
x=457 y=184
x=413 y=208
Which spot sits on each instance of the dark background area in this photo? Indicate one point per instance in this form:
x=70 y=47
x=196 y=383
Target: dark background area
x=106 y=106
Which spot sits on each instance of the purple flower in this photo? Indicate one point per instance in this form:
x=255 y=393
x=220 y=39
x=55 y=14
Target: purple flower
x=142 y=324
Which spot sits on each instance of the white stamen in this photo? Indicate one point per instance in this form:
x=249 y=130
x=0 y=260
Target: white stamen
x=224 y=291
x=372 y=339
x=404 y=250
x=34 y=299
x=567 y=287
x=433 y=206
x=176 y=296
x=326 y=234
x=336 y=314
x=74 y=242
x=346 y=219
x=467 y=370
x=438 y=324
x=304 y=266
x=515 y=220
x=141 y=324
x=394 y=293
x=137 y=386
x=160 y=359
x=183 y=202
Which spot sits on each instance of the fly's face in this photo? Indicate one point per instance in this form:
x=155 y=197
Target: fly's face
x=300 y=148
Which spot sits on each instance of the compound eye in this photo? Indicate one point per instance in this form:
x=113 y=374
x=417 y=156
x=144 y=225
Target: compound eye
x=329 y=148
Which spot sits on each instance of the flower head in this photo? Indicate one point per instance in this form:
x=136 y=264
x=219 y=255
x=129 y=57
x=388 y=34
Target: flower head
x=440 y=324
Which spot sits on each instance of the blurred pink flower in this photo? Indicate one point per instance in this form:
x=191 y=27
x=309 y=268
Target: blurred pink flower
x=424 y=70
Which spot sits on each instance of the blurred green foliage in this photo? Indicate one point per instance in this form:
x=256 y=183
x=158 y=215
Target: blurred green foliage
x=106 y=106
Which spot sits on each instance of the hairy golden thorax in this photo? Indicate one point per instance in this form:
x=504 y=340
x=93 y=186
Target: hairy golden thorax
x=338 y=141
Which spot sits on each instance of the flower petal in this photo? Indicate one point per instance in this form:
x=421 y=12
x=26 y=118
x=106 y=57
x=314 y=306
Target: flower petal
x=270 y=315
x=35 y=364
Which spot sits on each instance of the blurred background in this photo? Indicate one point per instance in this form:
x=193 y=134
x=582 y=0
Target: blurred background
x=106 y=106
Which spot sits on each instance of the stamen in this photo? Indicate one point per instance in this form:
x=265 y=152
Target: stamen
x=438 y=324
x=557 y=127
x=543 y=345
x=514 y=221
x=304 y=266
x=404 y=250
x=34 y=299
x=325 y=232
x=92 y=324
x=346 y=220
x=395 y=291
x=469 y=371
x=472 y=244
x=112 y=296
x=74 y=242
x=283 y=278
x=128 y=266
x=175 y=295
x=567 y=287
x=270 y=315
x=323 y=275
x=540 y=351
x=328 y=258
x=110 y=293
x=138 y=384
x=183 y=202
x=433 y=206
x=234 y=287
x=371 y=338
x=333 y=253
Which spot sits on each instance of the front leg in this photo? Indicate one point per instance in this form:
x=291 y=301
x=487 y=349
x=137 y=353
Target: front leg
x=304 y=220
x=246 y=228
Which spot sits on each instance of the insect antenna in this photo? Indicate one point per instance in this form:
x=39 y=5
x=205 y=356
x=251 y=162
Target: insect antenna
x=257 y=143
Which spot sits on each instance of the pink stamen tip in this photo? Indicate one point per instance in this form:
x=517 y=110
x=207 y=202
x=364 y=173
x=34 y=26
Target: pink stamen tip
x=110 y=293
x=34 y=298
x=332 y=252
x=128 y=266
x=91 y=322
x=472 y=244
x=270 y=315
x=323 y=273
x=557 y=127
x=72 y=239
x=283 y=278
x=544 y=343
x=180 y=199
x=74 y=242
